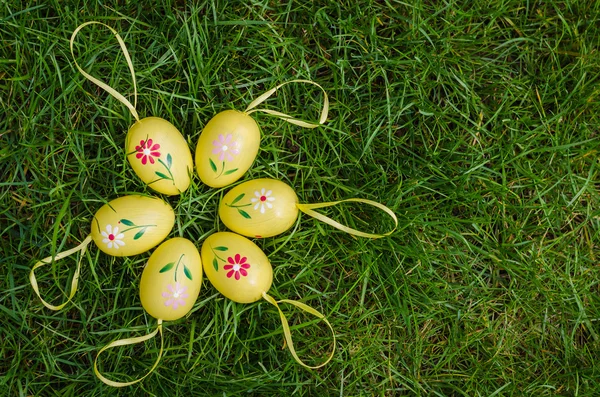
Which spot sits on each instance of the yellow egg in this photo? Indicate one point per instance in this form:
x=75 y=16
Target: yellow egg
x=227 y=147
x=130 y=225
x=171 y=280
x=159 y=155
x=259 y=208
x=236 y=267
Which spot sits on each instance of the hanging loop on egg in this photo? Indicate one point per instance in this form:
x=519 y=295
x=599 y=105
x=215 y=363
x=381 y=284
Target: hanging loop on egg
x=286 y=117
x=288 y=334
x=74 y=283
x=101 y=84
x=130 y=341
x=308 y=210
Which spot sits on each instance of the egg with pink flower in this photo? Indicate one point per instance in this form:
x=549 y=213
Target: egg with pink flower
x=226 y=148
x=171 y=280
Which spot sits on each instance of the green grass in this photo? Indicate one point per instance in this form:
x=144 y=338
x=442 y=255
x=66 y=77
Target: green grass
x=475 y=121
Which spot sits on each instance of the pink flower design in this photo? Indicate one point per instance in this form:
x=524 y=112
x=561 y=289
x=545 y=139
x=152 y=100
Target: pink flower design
x=225 y=147
x=237 y=266
x=176 y=295
x=146 y=151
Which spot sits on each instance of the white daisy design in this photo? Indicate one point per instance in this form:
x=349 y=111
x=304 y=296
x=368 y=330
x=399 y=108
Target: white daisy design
x=112 y=237
x=262 y=200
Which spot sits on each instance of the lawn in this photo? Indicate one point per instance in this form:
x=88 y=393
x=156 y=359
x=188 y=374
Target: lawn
x=476 y=122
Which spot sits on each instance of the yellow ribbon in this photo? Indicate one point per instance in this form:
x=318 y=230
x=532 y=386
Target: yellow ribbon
x=286 y=327
x=81 y=247
x=101 y=84
x=125 y=342
x=308 y=210
x=286 y=117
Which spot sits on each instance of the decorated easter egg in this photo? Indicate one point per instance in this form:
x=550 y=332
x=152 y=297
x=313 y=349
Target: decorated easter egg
x=236 y=267
x=130 y=225
x=159 y=155
x=227 y=147
x=171 y=280
x=259 y=208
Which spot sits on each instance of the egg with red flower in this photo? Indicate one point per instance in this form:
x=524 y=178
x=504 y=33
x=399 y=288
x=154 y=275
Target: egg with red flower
x=159 y=155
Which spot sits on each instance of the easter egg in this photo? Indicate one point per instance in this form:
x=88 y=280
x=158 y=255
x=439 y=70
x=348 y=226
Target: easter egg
x=227 y=148
x=259 y=208
x=236 y=267
x=130 y=225
x=159 y=155
x=171 y=280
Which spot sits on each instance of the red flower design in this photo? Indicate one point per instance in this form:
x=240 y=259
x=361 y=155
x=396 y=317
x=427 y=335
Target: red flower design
x=146 y=151
x=237 y=265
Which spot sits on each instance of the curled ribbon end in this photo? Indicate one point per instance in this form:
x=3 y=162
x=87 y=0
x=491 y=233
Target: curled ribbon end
x=286 y=117
x=131 y=341
x=287 y=332
x=101 y=84
x=309 y=209
x=74 y=282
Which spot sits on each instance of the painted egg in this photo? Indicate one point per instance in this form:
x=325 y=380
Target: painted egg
x=259 y=208
x=227 y=148
x=130 y=225
x=171 y=280
x=236 y=267
x=159 y=155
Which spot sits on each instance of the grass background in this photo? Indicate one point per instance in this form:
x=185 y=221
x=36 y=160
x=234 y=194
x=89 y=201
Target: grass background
x=475 y=121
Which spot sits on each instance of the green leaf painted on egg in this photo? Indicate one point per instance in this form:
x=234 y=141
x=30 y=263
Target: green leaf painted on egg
x=169 y=160
x=213 y=166
x=167 y=267
x=238 y=198
x=127 y=222
x=161 y=175
x=221 y=248
x=228 y=172
x=187 y=272
x=244 y=214
x=215 y=264
x=139 y=234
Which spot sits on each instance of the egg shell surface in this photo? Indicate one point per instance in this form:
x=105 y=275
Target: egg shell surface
x=236 y=267
x=171 y=280
x=159 y=155
x=227 y=148
x=130 y=225
x=259 y=208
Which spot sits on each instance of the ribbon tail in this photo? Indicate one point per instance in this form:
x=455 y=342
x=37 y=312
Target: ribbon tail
x=286 y=117
x=130 y=341
x=308 y=209
x=74 y=282
x=288 y=334
x=101 y=84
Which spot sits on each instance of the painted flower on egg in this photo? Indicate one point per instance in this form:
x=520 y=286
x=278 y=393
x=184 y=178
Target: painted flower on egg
x=176 y=295
x=237 y=266
x=112 y=237
x=225 y=147
x=146 y=151
x=262 y=199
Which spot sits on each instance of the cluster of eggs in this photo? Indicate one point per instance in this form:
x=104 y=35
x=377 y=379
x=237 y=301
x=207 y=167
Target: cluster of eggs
x=130 y=225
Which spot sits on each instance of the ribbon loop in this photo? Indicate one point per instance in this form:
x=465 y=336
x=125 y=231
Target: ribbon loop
x=81 y=247
x=286 y=117
x=308 y=210
x=101 y=84
x=130 y=341
x=286 y=327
